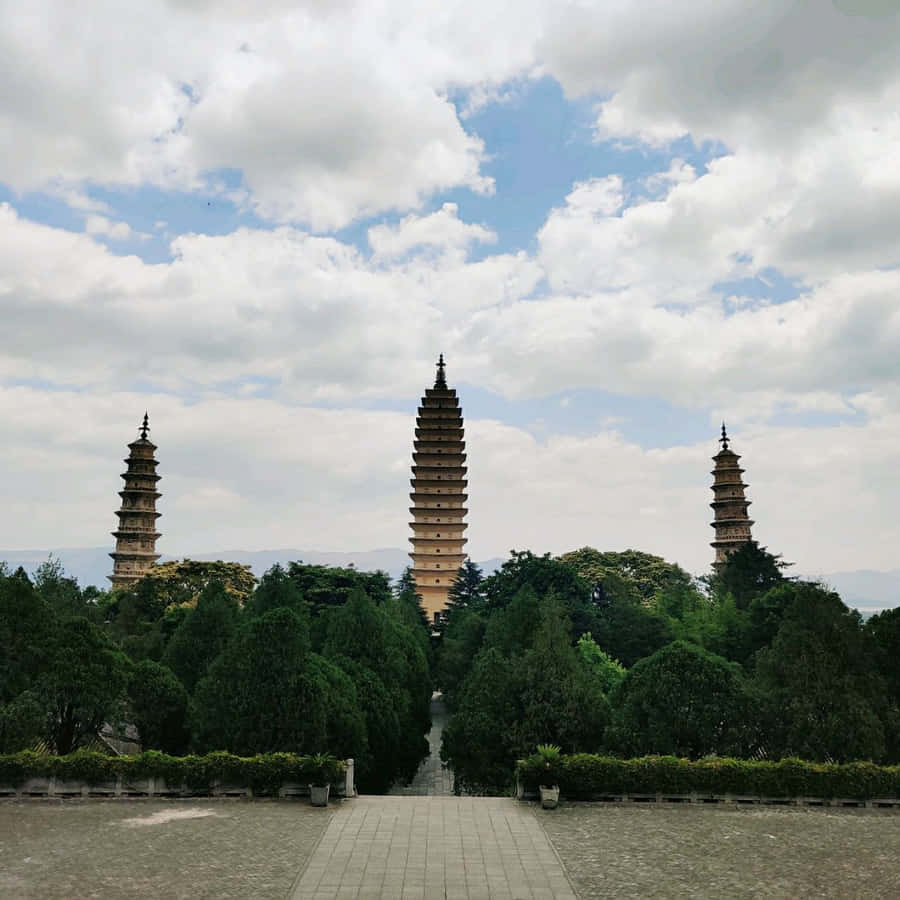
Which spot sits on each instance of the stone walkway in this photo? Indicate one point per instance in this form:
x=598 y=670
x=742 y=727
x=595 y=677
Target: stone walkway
x=433 y=778
x=452 y=848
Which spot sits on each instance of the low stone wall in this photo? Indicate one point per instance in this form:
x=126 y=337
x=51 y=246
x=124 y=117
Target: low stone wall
x=158 y=787
x=729 y=799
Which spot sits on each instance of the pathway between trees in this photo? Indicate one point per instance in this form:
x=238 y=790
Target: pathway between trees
x=432 y=779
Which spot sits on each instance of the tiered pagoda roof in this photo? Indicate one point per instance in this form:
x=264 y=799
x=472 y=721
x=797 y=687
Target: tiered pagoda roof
x=438 y=494
x=135 y=552
x=732 y=524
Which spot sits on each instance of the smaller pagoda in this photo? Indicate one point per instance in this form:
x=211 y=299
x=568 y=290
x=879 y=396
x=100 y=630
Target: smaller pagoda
x=135 y=552
x=732 y=524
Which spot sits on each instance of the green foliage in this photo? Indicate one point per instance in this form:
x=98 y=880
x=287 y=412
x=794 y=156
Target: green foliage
x=324 y=586
x=819 y=681
x=586 y=775
x=607 y=671
x=511 y=702
x=182 y=582
x=158 y=705
x=748 y=572
x=276 y=590
x=883 y=631
x=378 y=641
x=550 y=756
x=81 y=685
x=202 y=635
x=59 y=592
x=268 y=692
x=681 y=701
x=25 y=626
x=511 y=628
x=542 y=575
x=461 y=641
x=479 y=741
x=560 y=699
x=467 y=591
x=265 y=774
x=22 y=722
x=629 y=631
x=650 y=576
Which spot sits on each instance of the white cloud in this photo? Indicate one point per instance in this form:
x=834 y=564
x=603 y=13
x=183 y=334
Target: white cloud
x=100 y=226
x=331 y=111
x=442 y=230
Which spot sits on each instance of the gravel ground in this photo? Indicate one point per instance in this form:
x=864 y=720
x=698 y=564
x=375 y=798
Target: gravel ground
x=623 y=851
x=155 y=848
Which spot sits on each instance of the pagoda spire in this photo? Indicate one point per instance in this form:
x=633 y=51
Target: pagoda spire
x=731 y=522
x=136 y=537
x=440 y=382
x=438 y=495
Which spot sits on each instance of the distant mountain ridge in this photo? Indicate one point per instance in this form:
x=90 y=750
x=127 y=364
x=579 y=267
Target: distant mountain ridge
x=868 y=590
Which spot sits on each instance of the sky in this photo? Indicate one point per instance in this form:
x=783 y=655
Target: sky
x=621 y=224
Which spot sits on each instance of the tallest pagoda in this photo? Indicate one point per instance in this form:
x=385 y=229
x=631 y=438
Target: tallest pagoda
x=438 y=495
x=136 y=536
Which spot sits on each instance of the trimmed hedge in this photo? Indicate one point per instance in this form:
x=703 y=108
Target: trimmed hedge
x=585 y=775
x=264 y=773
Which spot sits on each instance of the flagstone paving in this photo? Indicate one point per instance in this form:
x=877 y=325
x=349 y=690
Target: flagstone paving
x=433 y=777
x=458 y=848
x=650 y=851
x=192 y=849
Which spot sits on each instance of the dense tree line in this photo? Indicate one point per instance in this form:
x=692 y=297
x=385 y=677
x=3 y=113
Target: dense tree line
x=199 y=657
x=625 y=653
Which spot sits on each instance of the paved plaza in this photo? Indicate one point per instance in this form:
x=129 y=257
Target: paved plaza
x=435 y=847
x=439 y=848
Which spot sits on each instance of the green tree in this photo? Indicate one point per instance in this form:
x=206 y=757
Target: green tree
x=748 y=572
x=467 y=591
x=82 y=685
x=460 y=644
x=651 y=576
x=181 y=582
x=820 y=682
x=60 y=592
x=629 y=631
x=681 y=701
x=25 y=625
x=325 y=586
x=276 y=590
x=268 y=692
x=378 y=640
x=883 y=630
x=480 y=739
x=607 y=671
x=22 y=722
x=158 y=705
x=202 y=635
x=561 y=700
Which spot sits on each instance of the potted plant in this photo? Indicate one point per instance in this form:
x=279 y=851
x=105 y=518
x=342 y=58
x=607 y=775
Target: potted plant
x=324 y=769
x=549 y=755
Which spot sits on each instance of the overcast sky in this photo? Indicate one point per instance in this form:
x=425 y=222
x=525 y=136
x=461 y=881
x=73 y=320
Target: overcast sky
x=620 y=222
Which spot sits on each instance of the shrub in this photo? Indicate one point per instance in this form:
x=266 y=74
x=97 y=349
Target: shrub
x=264 y=773
x=584 y=775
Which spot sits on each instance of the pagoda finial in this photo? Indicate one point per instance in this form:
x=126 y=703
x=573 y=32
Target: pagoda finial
x=145 y=427
x=724 y=439
x=441 y=380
